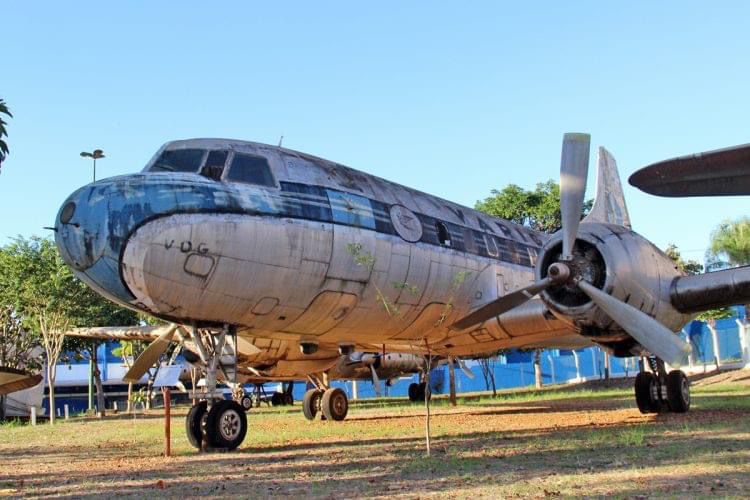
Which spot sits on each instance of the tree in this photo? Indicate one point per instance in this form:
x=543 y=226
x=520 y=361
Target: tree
x=691 y=267
x=731 y=240
x=3 y=133
x=49 y=300
x=538 y=209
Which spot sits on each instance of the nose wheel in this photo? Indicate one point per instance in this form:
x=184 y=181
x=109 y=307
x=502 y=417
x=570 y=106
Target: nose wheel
x=659 y=391
x=224 y=425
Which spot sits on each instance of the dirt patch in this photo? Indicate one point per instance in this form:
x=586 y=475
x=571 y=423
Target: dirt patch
x=587 y=445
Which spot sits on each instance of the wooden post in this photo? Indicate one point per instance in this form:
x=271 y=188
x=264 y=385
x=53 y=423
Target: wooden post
x=67 y=412
x=33 y=415
x=167 y=421
x=452 y=380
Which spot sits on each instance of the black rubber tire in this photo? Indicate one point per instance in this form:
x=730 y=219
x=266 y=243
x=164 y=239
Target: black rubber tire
x=277 y=398
x=422 y=392
x=645 y=389
x=246 y=402
x=311 y=403
x=678 y=391
x=226 y=424
x=193 y=424
x=335 y=404
x=413 y=392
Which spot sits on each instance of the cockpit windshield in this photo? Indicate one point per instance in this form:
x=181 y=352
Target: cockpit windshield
x=179 y=160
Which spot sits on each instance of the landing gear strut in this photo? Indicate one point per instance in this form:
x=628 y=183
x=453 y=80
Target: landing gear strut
x=216 y=422
x=332 y=403
x=659 y=391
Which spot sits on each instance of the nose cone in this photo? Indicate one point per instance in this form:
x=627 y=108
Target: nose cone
x=81 y=230
x=84 y=240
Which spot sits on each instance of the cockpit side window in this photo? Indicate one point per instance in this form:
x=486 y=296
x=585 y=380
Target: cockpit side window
x=214 y=165
x=179 y=160
x=251 y=170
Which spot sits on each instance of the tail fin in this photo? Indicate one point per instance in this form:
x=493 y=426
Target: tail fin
x=609 y=204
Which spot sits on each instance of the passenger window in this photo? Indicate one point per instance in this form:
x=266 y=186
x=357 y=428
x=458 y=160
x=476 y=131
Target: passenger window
x=250 y=170
x=214 y=165
x=491 y=245
x=351 y=209
x=444 y=237
x=179 y=160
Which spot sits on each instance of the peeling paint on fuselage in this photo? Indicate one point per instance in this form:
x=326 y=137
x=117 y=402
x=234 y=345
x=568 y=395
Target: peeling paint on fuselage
x=131 y=238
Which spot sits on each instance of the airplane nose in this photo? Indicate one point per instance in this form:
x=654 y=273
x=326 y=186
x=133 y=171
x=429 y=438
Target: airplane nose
x=80 y=235
x=85 y=241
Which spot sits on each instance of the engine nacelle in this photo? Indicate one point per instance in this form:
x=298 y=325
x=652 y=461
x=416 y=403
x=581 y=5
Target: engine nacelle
x=624 y=265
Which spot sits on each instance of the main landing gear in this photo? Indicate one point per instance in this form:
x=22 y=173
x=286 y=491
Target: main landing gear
x=418 y=392
x=658 y=391
x=215 y=422
x=332 y=403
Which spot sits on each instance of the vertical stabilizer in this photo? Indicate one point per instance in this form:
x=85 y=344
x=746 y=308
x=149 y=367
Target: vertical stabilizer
x=609 y=204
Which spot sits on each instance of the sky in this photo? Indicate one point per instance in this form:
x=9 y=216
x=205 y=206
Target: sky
x=454 y=99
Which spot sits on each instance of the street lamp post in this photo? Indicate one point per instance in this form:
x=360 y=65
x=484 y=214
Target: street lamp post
x=94 y=155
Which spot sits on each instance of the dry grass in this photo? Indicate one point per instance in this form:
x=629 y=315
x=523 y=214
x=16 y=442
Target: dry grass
x=565 y=443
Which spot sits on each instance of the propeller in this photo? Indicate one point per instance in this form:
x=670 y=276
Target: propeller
x=151 y=355
x=574 y=169
x=375 y=380
x=651 y=334
x=464 y=368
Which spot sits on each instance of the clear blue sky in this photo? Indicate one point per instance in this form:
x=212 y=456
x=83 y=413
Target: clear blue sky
x=453 y=99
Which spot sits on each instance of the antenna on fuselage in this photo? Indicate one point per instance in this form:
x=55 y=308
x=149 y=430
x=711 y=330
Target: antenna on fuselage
x=281 y=139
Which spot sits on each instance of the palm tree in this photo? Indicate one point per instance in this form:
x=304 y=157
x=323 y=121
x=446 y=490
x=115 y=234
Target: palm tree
x=732 y=241
x=3 y=133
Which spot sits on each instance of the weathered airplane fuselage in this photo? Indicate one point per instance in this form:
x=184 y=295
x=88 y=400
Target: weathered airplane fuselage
x=298 y=249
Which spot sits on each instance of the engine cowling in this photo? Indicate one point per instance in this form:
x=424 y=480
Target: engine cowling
x=621 y=263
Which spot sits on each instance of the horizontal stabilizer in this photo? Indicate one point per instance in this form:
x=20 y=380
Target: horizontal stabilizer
x=723 y=172
x=12 y=380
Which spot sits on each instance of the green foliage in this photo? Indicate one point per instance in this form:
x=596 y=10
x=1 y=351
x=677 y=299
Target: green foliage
x=42 y=291
x=538 y=209
x=689 y=266
x=3 y=132
x=732 y=240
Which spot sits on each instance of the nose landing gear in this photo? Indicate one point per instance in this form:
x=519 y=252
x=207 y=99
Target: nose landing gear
x=659 y=391
x=215 y=422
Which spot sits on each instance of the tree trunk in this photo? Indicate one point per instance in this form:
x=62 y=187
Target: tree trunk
x=606 y=366
x=452 y=380
x=130 y=398
x=51 y=374
x=427 y=407
x=538 y=368
x=100 y=402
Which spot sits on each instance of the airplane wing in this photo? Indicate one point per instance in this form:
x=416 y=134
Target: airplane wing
x=723 y=172
x=12 y=380
x=137 y=332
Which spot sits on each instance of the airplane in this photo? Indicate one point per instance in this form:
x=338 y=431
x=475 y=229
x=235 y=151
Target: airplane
x=242 y=240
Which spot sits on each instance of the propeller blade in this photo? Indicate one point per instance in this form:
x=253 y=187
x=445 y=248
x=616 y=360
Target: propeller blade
x=465 y=368
x=723 y=172
x=150 y=356
x=375 y=380
x=655 y=337
x=501 y=305
x=574 y=168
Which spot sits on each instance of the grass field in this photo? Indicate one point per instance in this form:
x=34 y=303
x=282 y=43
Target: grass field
x=559 y=443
